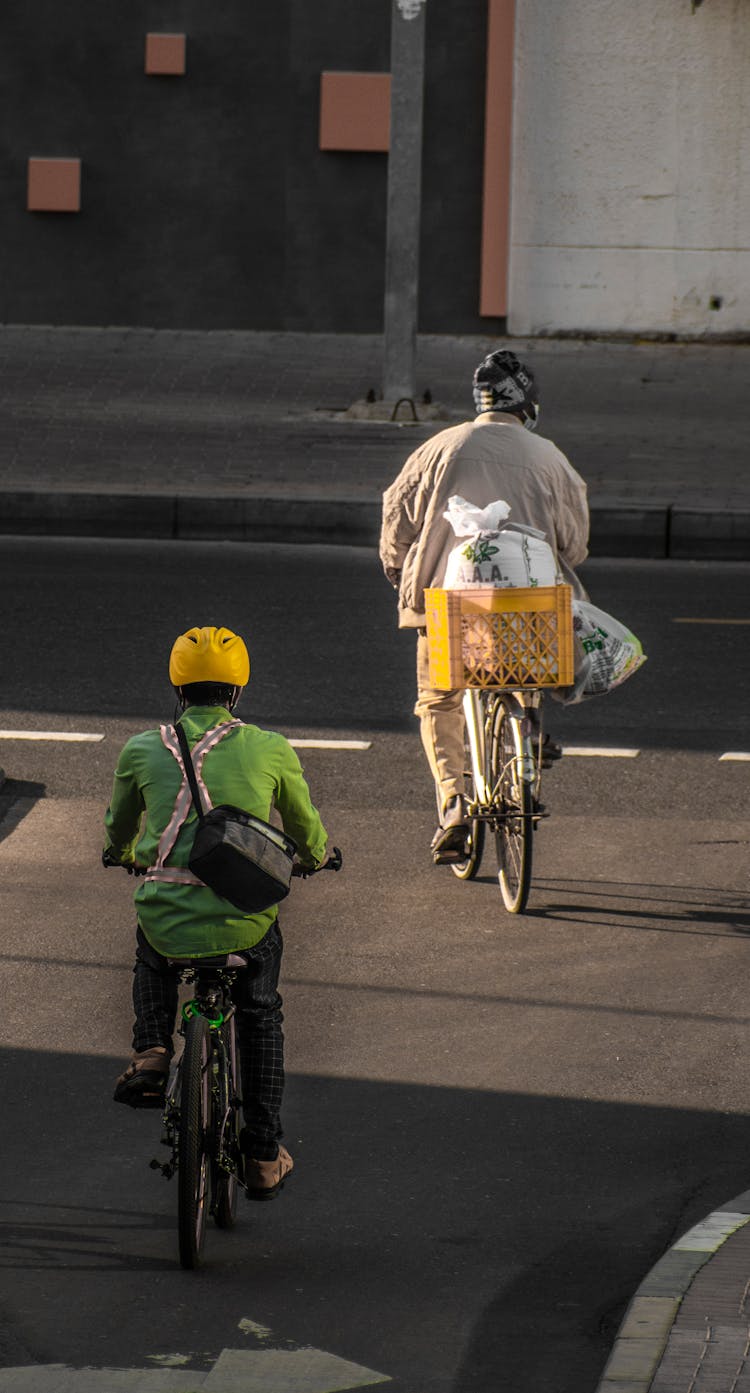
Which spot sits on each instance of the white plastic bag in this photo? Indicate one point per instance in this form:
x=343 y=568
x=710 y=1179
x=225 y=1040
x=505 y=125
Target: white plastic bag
x=495 y=551
x=605 y=653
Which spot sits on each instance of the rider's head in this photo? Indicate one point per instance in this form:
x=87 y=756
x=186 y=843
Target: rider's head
x=502 y=383
x=209 y=667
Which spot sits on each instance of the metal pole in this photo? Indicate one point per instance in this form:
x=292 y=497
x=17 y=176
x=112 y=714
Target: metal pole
x=404 y=199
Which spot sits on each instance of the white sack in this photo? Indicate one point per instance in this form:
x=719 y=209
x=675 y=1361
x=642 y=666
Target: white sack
x=494 y=551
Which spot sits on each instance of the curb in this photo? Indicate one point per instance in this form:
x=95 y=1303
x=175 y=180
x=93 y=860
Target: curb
x=192 y=517
x=646 y=1327
x=618 y=529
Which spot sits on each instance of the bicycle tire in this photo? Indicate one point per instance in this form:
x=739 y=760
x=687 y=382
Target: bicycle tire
x=224 y=1184
x=467 y=868
x=192 y=1155
x=509 y=750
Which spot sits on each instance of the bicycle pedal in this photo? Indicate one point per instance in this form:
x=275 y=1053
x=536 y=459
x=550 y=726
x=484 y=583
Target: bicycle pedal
x=167 y=1168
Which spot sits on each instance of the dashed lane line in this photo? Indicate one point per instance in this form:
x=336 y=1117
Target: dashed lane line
x=330 y=744
x=599 y=752
x=80 y=735
x=603 y=752
x=302 y=743
x=71 y=735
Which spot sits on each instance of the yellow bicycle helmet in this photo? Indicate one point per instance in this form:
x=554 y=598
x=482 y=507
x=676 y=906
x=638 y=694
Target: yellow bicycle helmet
x=209 y=655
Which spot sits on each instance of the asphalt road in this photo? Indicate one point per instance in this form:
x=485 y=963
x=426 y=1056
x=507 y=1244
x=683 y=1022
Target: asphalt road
x=499 y=1123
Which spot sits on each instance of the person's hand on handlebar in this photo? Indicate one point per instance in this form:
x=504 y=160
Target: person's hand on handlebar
x=331 y=862
x=109 y=859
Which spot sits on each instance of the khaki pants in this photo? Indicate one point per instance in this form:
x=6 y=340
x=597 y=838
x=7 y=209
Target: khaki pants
x=441 y=724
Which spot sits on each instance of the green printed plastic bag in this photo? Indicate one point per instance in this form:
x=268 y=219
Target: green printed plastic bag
x=606 y=654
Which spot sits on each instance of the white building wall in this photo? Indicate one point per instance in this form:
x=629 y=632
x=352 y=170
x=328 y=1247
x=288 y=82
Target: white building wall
x=630 y=203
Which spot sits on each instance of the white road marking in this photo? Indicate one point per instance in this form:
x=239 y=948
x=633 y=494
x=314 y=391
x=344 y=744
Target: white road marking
x=735 y=754
x=79 y=735
x=74 y=735
x=60 y=1378
x=599 y=752
x=235 y=1371
x=331 y=744
x=251 y=1327
x=286 y=1371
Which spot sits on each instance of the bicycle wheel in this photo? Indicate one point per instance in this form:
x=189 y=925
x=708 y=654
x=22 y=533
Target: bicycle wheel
x=467 y=868
x=510 y=759
x=192 y=1155
x=226 y=1147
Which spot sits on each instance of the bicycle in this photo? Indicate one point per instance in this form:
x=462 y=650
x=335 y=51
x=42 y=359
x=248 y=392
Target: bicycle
x=201 y=1120
x=504 y=749
x=504 y=648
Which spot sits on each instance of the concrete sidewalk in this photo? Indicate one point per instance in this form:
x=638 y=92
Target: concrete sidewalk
x=140 y=433
x=687 y=1329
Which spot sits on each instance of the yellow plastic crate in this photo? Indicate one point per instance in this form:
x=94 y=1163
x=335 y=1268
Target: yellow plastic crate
x=490 y=637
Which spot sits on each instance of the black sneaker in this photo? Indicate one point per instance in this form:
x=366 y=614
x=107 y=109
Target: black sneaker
x=449 y=842
x=551 y=751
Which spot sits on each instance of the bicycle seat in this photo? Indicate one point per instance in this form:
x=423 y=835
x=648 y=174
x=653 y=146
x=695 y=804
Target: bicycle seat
x=222 y=960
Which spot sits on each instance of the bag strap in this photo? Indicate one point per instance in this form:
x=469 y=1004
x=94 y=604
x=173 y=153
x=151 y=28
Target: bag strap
x=521 y=527
x=189 y=770
x=170 y=736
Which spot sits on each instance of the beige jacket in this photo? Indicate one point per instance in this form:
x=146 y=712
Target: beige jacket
x=483 y=460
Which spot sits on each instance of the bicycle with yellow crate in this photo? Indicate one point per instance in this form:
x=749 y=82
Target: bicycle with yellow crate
x=504 y=647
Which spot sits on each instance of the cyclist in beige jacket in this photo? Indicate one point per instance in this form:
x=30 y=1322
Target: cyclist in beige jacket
x=483 y=460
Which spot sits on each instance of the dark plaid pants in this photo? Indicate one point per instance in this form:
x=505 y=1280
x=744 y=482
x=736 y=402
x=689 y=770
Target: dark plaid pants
x=259 y=1033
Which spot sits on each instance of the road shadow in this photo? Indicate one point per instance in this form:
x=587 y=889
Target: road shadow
x=454 y=1239
x=687 y=905
x=17 y=798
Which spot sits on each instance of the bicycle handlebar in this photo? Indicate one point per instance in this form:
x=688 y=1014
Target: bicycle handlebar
x=334 y=863
x=108 y=861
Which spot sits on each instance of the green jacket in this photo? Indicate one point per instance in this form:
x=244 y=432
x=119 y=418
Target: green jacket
x=250 y=768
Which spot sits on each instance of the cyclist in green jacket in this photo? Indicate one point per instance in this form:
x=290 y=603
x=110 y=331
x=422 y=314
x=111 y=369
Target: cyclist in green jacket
x=150 y=825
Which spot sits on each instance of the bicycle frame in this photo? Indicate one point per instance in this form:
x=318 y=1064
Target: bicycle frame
x=527 y=766
x=504 y=742
x=203 y=1106
x=213 y=1002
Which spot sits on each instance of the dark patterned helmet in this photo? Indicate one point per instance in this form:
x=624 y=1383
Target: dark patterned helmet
x=502 y=383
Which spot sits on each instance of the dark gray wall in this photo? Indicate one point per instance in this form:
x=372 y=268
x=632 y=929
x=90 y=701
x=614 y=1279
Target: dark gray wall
x=206 y=202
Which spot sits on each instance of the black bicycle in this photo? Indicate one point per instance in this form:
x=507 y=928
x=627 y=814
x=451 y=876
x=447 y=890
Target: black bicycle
x=203 y=1101
x=201 y=1118
x=203 y=1104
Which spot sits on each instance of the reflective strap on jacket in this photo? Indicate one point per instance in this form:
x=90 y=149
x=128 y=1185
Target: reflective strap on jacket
x=180 y=875
x=173 y=875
